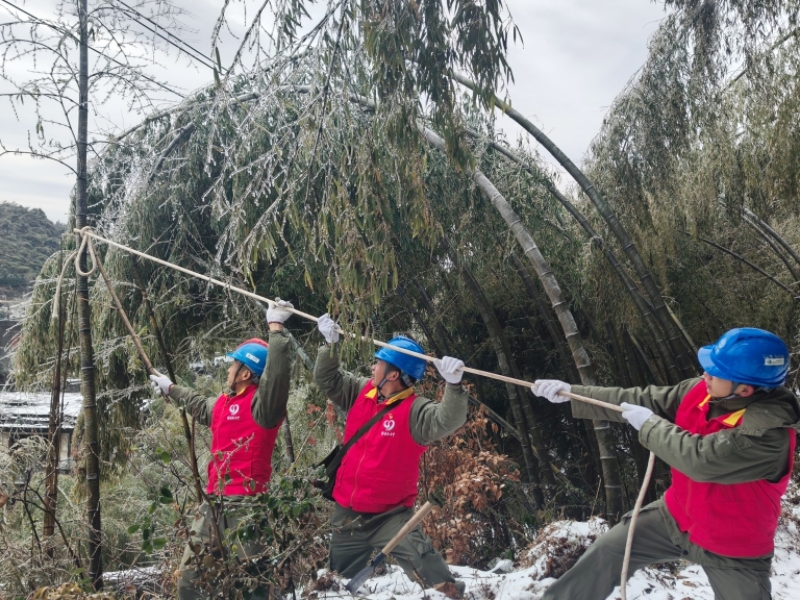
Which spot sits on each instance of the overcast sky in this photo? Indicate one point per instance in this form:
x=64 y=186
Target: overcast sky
x=577 y=56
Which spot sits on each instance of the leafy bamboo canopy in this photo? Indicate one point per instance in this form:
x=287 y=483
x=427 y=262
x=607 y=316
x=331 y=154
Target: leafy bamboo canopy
x=285 y=179
x=410 y=50
x=703 y=134
x=699 y=51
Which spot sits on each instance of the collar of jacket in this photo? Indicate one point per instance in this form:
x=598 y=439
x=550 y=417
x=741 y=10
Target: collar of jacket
x=771 y=410
x=373 y=393
x=230 y=397
x=731 y=403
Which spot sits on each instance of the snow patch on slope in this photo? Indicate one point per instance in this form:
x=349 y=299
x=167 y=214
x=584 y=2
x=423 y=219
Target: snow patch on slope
x=558 y=539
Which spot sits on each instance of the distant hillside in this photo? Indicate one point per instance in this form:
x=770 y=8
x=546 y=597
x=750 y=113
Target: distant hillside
x=27 y=238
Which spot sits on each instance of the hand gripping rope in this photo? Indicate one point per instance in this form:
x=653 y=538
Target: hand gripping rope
x=87 y=234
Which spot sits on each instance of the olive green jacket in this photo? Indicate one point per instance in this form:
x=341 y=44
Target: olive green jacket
x=757 y=449
x=430 y=420
x=269 y=403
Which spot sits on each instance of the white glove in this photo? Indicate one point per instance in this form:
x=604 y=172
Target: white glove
x=161 y=383
x=549 y=388
x=450 y=369
x=277 y=313
x=635 y=415
x=327 y=327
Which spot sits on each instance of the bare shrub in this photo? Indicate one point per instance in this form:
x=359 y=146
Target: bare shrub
x=474 y=525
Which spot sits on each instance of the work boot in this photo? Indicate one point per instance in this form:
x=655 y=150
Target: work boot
x=451 y=589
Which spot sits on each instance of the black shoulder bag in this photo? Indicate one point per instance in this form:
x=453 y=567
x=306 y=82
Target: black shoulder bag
x=334 y=459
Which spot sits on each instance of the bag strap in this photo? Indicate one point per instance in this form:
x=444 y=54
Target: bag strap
x=390 y=404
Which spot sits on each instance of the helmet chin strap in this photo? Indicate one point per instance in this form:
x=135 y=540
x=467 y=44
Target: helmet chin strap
x=404 y=378
x=235 y=376
x=734 y=385
x=380 y=385
x=385 y=379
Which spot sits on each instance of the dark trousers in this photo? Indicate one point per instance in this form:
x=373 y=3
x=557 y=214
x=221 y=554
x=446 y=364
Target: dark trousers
x=202 y=533
x=357 y=536
x=598 y=571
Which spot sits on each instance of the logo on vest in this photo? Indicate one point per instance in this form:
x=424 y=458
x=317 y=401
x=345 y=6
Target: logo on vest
x=234 y=410
x=388 y=426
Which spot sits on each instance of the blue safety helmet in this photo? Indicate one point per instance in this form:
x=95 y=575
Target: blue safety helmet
x=252 y=354
x=747 y=355
x=410 y=365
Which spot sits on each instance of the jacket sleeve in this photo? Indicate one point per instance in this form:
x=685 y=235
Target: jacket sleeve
x=727 y=456
x=431 y=421
x=269 y=404
x=340 y=387
x=662 y=400
x=197 y=406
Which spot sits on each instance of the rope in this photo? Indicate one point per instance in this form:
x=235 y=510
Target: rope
x=86 y=234
x=84 y=245
x=150 y=369
x=634 y=516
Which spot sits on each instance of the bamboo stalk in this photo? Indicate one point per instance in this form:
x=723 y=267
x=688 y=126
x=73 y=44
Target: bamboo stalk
x=535 y=457
x=533 y=293
x=611 y=471
x=491 y=415
x=763 y=224
x=649 y=315
x=791 y=267
x=88 y=391
x=751 y=265
x=653 y=374
x=674 y=339
x=418 y=317
x=444 y=338
x=54 y=428
x=446 y=341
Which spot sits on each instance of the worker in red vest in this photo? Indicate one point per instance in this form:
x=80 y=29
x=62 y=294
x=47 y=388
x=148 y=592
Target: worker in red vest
x=244 y=426
x=729 y=438
x=376 y=484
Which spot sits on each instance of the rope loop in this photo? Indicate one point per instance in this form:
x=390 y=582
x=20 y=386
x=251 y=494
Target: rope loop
x=85 y=245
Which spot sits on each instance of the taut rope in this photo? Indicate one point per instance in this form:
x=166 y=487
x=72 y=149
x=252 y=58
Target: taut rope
x=87 y=233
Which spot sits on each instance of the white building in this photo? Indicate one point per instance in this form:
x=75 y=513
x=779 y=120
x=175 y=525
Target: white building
x=23 y=415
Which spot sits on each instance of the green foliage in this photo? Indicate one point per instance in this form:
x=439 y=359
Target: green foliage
x=27 y=239
x=288 y=523
x=685 y=151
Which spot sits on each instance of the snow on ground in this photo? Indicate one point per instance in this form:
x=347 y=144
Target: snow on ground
x=555 y=542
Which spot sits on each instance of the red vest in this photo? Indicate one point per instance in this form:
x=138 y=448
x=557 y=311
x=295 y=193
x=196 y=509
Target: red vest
x=737 y=520
x=381 y=470
x=241 y=450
